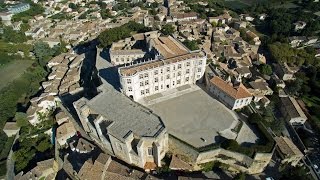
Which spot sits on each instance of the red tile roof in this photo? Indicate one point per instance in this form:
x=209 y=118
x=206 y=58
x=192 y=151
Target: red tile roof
x=235 y=92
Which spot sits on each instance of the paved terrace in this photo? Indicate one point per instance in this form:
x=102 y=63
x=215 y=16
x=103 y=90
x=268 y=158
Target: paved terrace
x=195 y=117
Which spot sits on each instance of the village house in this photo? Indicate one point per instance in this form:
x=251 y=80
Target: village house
x=288 y=151
x=292 y=112
x=233 y=96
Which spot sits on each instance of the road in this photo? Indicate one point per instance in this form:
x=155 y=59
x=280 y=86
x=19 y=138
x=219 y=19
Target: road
x=10 y=162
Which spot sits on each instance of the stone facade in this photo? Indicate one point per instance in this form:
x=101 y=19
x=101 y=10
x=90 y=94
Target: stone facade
x=163 y=77
x=137 y=145
x=236 y=161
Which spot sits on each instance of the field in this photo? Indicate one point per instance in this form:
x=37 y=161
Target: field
x=239 y=4
x=12 y=70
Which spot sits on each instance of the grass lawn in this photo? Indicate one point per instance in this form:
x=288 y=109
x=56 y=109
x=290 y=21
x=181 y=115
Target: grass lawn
x=235 y=4
x=12 y=71
x=288 y=5
x=6 y=149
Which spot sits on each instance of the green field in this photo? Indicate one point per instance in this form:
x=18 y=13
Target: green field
x=239 y=4
x=12 y=71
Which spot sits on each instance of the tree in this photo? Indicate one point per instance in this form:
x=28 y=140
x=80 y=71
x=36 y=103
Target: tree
x=192 y=45
x=240 y=176
x=294 y=86
x=167 y=29
x=266 y=69
x=21 y=119
x=43 y=145
x=43 y=52
x=73 y=6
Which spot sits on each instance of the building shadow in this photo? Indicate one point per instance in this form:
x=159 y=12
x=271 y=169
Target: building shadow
x=111 y=76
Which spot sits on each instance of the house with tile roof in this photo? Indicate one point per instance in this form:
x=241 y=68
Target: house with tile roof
x=288 y=151
x=233 y=96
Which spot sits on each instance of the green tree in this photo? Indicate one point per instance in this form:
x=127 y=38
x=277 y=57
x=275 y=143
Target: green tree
x=192 y=45
x=167 y=29
x=21 y=119
x=240 y=176
x=43 y=52
x=266 y=69
x=73 y=6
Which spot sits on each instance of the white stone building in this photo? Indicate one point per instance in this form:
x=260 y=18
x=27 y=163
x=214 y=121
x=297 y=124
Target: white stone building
x=173 y=66
x=234 y=97
x=131 y=132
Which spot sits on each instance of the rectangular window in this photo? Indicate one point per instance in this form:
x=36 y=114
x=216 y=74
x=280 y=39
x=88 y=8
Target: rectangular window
x=156 y=72
x=140 y=76
x=129 y=89
x=147 y=82
x=179 y=66
x=187 y=79
x=178 y=81
x=200 y=62
x=168 y=69
x=161 y=71
x=187 y=71
x=117 y=59
x=179 y=73
x=142 y=92
x=156 y=88
x=147 y=91
x=161 y=86
x=150 y=151
x=146 y=75
x=174 y=67
x=128 y=81
x=141 y=84
x=156 y=79
x=168 y=76
x=188 y=64
x=199 y=69
x=173 y=83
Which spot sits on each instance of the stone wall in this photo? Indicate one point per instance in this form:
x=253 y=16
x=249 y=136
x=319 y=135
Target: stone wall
x=237 y=161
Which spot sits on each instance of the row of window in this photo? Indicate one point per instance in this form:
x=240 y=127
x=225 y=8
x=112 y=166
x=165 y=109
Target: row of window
x=146 y=75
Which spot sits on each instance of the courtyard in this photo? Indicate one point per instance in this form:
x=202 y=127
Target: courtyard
x=196 y=118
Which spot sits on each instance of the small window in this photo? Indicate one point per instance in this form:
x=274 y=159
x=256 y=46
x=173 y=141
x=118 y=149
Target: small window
x=147 y=91
x=179 y=73
x=156 y=72
x=142 y=92
x=161 y=71
x=146 y=75
x=150 y=151
x=128 y=81
x=129 y=89
x=117 y=59
x=200 y=62
x=178 y=81
x=161 y=86
x=179 y=66
x=168 y=76
x=156 y=79
x=168 y=69
x=187 y=71
x=147 y=82
x=141 y=84
x=187 y=79
x=199 y=69
x=188 y=64
x=140 y=76
x=156 y=88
